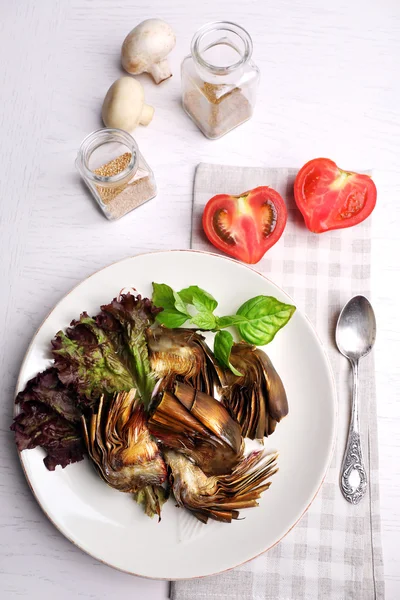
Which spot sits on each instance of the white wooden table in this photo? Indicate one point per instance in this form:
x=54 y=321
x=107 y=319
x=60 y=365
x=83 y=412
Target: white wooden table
x=330 y=87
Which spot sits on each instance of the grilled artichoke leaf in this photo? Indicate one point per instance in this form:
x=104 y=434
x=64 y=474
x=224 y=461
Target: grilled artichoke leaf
x=123 y=451
x=220 y=497
x=151 y=498
x=198 y=426
x=182 y=354
x=257 y=398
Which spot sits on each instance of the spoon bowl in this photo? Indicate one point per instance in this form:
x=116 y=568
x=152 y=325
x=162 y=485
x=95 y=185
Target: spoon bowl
x=356 y=329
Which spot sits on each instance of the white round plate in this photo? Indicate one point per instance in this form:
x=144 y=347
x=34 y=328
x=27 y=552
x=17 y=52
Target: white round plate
x=108 y=524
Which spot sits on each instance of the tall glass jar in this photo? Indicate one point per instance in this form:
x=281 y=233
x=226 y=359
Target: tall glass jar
x=115 y=171
x=219 y=80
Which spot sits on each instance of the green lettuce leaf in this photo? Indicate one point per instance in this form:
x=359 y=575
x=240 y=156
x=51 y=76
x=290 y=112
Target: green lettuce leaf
x=86 y=361
x=135 y=315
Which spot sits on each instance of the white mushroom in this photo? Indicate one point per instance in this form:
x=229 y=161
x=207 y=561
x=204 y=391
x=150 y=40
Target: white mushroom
x=146 y=47
x=124 y=106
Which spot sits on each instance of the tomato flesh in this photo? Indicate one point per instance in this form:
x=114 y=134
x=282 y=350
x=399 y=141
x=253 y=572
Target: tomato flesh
x=245 y=226
x=330 y=198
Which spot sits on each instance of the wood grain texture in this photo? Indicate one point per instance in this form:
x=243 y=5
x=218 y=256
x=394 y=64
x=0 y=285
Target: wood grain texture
x=329 y=87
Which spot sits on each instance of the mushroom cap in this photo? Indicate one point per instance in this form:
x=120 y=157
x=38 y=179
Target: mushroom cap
x=148 y=43
x=123 y=104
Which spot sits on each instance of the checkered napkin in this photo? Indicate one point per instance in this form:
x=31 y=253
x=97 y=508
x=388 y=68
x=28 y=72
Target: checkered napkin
x=334 y=552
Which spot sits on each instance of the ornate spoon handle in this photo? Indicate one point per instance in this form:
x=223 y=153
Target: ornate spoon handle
x=353 y=457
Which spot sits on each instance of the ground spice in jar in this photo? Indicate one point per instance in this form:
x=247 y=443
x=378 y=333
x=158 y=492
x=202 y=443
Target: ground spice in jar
x=130 y=194
x=217 y=109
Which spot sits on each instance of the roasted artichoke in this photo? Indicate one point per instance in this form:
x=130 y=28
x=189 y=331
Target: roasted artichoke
x=220 y=497
x=182 y=354
x=122 y=449
x=198 y=426
x=128 y=380
x=257 y=399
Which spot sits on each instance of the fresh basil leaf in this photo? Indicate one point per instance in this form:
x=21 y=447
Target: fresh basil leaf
x=230 y=321
x=175 y=313
x=223 y=343
x=163 y=295
x=187 y=294
x=265 y=316
x=204 y=320
x=200 y=299
x=180 y=304
x=171 y=318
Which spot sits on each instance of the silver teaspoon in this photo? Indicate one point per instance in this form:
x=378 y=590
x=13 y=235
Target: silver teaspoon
x=355 y=337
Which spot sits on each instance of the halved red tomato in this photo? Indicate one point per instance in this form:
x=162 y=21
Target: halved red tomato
x=330 y=198
x=245 y=226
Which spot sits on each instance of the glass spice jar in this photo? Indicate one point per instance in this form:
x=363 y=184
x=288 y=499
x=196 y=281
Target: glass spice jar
x=219 y=80
x=115 y=172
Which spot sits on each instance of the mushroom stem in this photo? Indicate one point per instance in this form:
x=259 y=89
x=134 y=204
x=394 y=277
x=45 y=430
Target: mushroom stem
x=147 y=114
x=160 y=71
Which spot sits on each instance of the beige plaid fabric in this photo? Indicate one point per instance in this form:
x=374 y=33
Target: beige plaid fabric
x=335 y=551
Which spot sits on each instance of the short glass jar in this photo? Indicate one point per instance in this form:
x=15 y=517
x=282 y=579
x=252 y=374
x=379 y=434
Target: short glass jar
x=115 y=172
x=219 y=80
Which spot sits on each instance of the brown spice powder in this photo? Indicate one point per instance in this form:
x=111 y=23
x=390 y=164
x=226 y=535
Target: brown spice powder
x=129 y=195
x=216 y=93
x=135 y=194
x=216 y=109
